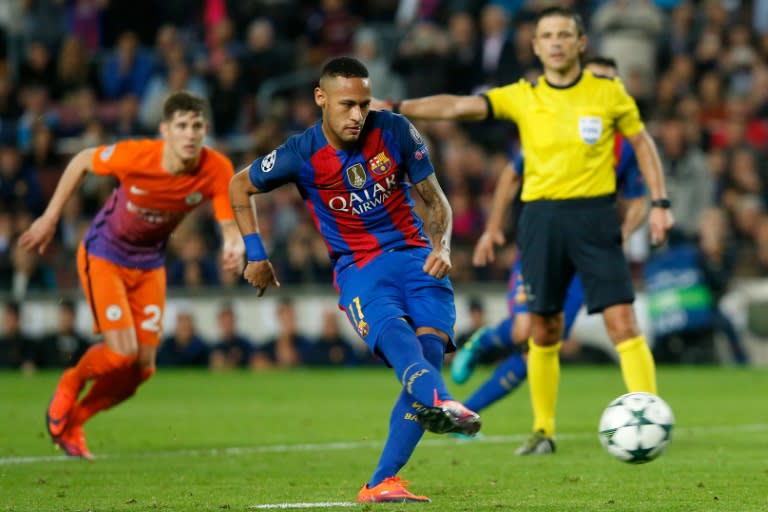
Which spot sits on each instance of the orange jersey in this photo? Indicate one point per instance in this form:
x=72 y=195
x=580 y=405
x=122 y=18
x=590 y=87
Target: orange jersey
x=133 y=226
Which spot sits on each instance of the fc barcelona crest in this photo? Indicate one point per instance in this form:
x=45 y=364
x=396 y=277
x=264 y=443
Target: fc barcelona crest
x=380 y=164
x=362 y=328
x=356 y=175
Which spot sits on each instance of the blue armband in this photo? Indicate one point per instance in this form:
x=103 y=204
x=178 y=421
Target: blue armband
x=254 y=247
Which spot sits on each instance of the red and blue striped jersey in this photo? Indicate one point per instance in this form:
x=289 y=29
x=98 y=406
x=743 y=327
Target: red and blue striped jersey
x=359 y=198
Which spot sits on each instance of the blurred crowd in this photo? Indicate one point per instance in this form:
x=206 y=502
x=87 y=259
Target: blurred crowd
x=76 y=73
x=184 y=346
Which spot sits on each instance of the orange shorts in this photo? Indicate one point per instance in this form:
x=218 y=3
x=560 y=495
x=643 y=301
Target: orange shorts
x=122 y=297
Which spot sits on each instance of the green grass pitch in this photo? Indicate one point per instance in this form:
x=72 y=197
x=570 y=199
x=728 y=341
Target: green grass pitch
x=195 y=441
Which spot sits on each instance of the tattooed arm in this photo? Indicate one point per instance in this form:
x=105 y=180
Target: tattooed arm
x=438 y=226
x=241 y=191
x=258 y=271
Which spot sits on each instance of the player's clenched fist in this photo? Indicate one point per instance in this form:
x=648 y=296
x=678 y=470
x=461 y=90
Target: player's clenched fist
x=438 y=263
x=260 y=275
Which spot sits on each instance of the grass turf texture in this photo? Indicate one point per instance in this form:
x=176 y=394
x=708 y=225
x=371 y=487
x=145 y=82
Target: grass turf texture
x=193 y=441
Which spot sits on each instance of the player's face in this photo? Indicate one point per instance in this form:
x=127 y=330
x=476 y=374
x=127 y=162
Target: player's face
x=345 y=103
x=184 y=133
x=602 y=70
x=558 y=44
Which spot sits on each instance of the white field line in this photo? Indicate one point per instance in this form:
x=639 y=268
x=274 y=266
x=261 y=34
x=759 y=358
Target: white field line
x=321 y=504
x=356 y=445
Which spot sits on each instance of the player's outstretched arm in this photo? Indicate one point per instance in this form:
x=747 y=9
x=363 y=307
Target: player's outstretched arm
x=660 y=219
x=258 y=269
x=40 y=233
x=441 y=106
x=438 y=226
x=506 y=188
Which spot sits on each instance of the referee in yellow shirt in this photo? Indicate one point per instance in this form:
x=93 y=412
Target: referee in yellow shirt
x=567 y=120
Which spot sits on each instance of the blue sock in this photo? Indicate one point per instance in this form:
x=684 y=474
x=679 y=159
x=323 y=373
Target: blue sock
x=495 y=337
x=404 y=434
x=433 y=347
x=507 y=376
x=404 y=352
x=404 y=431
x=502 y=333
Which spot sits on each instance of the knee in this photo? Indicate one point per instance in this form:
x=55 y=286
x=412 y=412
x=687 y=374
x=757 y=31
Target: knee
x=144 y=369
x=146 y=373
x=433 y=343
x=546 y=329
x=145 y=361
x=396 y=341
x=521 y=328
x=122 y=341
x=394 y=331
x=620 y=323
x=621 y=329
x=621 y=332
x=431 y=330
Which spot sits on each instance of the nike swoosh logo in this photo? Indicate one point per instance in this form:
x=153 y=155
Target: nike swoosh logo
x=138 y=191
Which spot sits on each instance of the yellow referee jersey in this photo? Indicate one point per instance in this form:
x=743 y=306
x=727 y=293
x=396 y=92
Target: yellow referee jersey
x=567 y=133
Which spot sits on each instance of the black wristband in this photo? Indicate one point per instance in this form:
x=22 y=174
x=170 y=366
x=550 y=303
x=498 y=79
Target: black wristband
x=396 y=107
x=661 y=203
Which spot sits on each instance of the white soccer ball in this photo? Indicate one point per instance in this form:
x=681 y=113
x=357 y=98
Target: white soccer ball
x=636 y=427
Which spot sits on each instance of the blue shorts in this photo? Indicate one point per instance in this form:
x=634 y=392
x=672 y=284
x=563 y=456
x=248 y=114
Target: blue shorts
x=394 y=285
x=517 y=298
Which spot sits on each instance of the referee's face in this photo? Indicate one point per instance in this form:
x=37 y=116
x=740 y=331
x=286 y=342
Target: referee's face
x=558 y=44
x=345 y=103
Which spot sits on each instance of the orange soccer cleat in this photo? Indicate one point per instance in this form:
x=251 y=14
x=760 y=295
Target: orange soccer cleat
x=390 y=490
x=72 y=441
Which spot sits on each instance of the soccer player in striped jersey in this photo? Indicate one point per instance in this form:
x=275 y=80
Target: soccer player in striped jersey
x=355 y=170
x=121 y=259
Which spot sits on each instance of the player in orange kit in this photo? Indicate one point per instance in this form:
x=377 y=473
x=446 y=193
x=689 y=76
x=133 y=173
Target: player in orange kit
x=121 y=258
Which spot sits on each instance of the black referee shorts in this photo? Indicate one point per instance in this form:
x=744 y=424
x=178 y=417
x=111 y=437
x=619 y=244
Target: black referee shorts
x=561 y=237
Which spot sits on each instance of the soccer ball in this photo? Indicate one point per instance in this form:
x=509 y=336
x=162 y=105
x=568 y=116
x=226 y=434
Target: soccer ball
x=636 y=427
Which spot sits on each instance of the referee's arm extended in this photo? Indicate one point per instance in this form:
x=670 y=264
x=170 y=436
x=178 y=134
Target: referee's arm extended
x=440 y=106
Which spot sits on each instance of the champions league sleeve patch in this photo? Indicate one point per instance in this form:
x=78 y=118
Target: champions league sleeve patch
x=268 y=162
